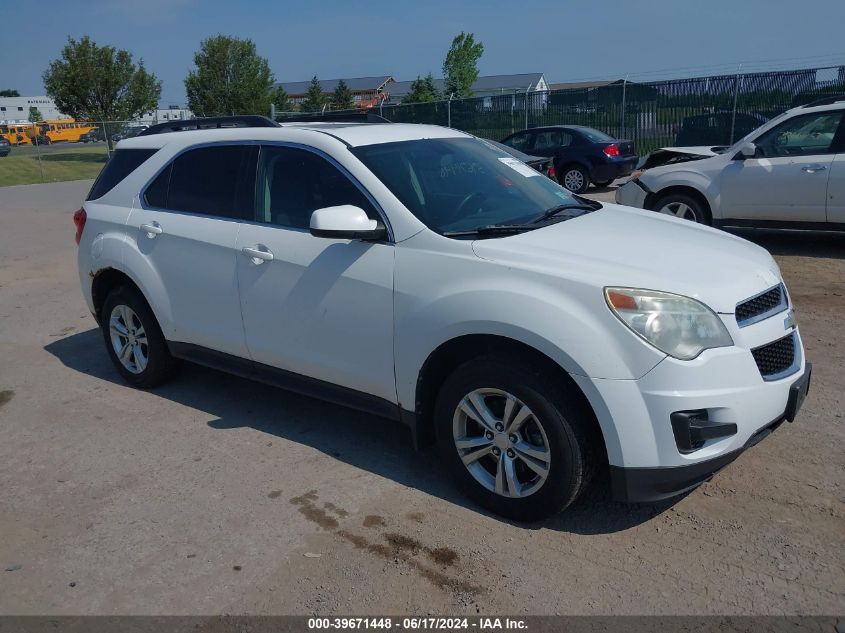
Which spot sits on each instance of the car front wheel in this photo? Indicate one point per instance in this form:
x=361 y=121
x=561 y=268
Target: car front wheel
x=513 y=439
x=682 y=206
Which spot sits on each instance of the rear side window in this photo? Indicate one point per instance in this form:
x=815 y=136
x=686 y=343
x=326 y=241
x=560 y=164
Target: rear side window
x=218 y=181
x=122 y=163
x=595 y=136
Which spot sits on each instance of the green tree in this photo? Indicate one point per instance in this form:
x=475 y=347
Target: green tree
x=230 y=78
x=460 y=68
x=314 y=97
x=8 y=92
x=100 y=82
x=342 y=98
x=279 y=97
x=422 y=90
x=34 y=115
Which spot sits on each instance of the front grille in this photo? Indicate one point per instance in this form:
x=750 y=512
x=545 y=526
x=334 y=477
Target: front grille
x=762 y=306
x=775 y=359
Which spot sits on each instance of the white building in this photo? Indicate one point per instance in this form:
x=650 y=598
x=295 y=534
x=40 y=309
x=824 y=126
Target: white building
x=173 y=113
x=16 y=109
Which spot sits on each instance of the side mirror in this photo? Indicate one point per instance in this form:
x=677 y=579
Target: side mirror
x=748 y=150
x=345 y=222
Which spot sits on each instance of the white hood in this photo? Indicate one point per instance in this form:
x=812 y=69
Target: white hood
x=622 y=246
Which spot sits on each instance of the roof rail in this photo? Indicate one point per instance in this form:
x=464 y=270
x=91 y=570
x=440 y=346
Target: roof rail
x=210 y=123
x=336 y=117
x=825 y=101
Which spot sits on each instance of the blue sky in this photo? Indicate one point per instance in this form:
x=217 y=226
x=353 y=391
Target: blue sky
x=564 y=39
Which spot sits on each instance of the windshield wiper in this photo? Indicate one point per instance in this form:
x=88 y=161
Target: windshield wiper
x=493 y=229
x=548 y=214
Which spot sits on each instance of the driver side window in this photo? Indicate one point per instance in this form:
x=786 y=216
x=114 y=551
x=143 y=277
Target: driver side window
x=804 y=135
x=293 y=183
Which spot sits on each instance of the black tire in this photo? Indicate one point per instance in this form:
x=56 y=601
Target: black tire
x=691 y=208
x=160 y=365
x=579 y=175
x=602 y=183
x=571 y=447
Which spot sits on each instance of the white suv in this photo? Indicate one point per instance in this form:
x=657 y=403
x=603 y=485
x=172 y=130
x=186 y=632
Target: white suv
x=789 y=173
x=421 y=274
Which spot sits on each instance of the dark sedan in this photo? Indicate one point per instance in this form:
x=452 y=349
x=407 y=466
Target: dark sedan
x=5 y=146
x=93 y=136
x=580 y=155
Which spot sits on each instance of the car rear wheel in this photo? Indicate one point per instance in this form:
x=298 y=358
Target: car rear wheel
x=134 y=339
x=512 y=439
x=574 y=178
x=682 y=206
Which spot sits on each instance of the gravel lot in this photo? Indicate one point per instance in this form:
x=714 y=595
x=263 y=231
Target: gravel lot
x=216 y=495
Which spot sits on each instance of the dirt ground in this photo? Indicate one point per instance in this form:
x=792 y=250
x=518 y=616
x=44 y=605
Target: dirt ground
x=216 y=495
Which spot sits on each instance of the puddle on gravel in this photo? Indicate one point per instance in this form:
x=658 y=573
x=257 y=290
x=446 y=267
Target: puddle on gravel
x=397 y=546
x=333 y=508
x=404 y=549
x=373 y=520
x=307 y=508
x=6 y=396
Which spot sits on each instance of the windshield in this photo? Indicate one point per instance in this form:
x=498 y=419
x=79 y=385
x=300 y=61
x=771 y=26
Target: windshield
x=461 y=184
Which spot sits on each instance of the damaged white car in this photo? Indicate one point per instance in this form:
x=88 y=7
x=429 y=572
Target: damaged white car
x=789 y=173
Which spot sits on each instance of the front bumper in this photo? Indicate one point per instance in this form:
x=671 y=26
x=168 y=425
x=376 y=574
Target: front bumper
x=653 y=484
x=631 y=194
x=724 y=396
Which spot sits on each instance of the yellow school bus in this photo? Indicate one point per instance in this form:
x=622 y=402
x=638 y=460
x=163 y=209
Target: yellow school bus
x=16 y=133
x=56 y=131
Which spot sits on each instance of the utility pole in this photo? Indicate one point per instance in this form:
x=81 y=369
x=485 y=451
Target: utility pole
x=624 y=95
x=736 y=95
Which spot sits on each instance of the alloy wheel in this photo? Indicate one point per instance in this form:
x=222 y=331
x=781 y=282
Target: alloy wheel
x=573 y=180
x=680 y=210
x=128 y=339
x=501 y=442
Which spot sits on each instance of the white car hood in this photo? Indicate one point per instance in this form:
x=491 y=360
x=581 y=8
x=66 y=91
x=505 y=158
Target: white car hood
x=698 y=150
x=622 y=246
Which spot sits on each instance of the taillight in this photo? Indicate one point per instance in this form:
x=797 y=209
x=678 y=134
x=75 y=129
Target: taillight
x=79 y=221
x=611 y=150
x=552 y=172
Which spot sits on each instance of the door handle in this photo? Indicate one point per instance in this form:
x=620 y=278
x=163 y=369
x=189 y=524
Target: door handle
x=152 y=229
x=812 y=169
x=257 y=255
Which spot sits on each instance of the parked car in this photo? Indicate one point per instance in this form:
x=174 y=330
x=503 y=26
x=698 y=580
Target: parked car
x=788 y=173
x=543 y=164
x=128 y=132
x=417 y=273
x=580 y=155
x=716 y=127
x=5 y=146
x=93 y=136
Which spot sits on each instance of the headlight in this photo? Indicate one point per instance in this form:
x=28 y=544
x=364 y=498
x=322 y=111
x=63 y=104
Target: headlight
x=674 y=324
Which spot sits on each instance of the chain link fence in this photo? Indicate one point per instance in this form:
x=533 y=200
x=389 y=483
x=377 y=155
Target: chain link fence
x=716 y=110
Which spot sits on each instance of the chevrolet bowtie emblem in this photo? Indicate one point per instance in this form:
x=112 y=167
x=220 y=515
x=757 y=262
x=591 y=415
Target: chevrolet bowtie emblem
x=789 y=321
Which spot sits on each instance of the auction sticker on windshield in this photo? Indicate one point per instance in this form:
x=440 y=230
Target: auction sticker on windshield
x=519 y=166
